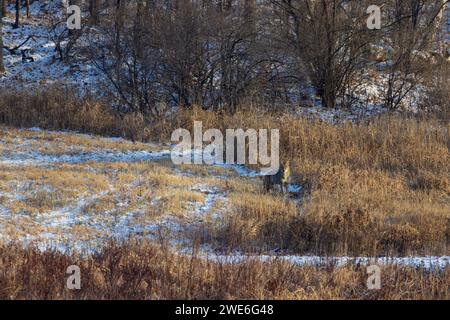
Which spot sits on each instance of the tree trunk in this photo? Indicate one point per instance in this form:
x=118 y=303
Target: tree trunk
x=2 y=68
x=28 y=8
x=17 y=23
x=120 y=11
x=94 y=8
x=139 y=27
x=4 y=10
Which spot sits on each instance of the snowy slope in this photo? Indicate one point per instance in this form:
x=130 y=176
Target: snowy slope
x=43 y=66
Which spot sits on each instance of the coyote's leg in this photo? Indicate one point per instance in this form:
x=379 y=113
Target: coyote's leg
x=285 y=188
x=266 y=184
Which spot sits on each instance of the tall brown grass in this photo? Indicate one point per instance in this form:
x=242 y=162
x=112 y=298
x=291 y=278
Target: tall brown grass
x=378 y=187
x=139 y=270
x=60 y=108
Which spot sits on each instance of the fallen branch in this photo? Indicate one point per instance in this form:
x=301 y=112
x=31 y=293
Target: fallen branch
x=14 y=49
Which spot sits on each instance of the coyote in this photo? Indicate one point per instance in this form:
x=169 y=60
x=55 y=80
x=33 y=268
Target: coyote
x=280 y=178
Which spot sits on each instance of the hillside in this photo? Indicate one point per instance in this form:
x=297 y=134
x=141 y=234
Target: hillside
x=355 y=124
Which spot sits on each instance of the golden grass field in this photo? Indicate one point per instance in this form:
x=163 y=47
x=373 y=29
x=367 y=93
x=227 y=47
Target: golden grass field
x=376 y=188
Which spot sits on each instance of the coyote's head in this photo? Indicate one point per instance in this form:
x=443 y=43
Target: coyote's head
x=286 y=170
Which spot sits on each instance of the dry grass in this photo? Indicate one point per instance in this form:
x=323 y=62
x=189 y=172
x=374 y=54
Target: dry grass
x=145 y=271
x=256 y=222
x=378 y=188
x=370 y=188
x=42 y=200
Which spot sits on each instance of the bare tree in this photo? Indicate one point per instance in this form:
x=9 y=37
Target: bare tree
x=223 y=53
x=410 y=39
x=184 y=53
x=65 y=39
x=328 y=39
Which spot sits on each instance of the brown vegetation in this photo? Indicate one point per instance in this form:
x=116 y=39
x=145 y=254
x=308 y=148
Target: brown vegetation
x=376 y=187
x=380 y=187
x=371 y=188
x=145 y=271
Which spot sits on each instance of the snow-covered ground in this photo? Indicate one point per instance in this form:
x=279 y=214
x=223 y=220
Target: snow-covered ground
x=42 y=67
x=68 y=227
x=73 y=226
x=428 y=263
x=33 y=150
